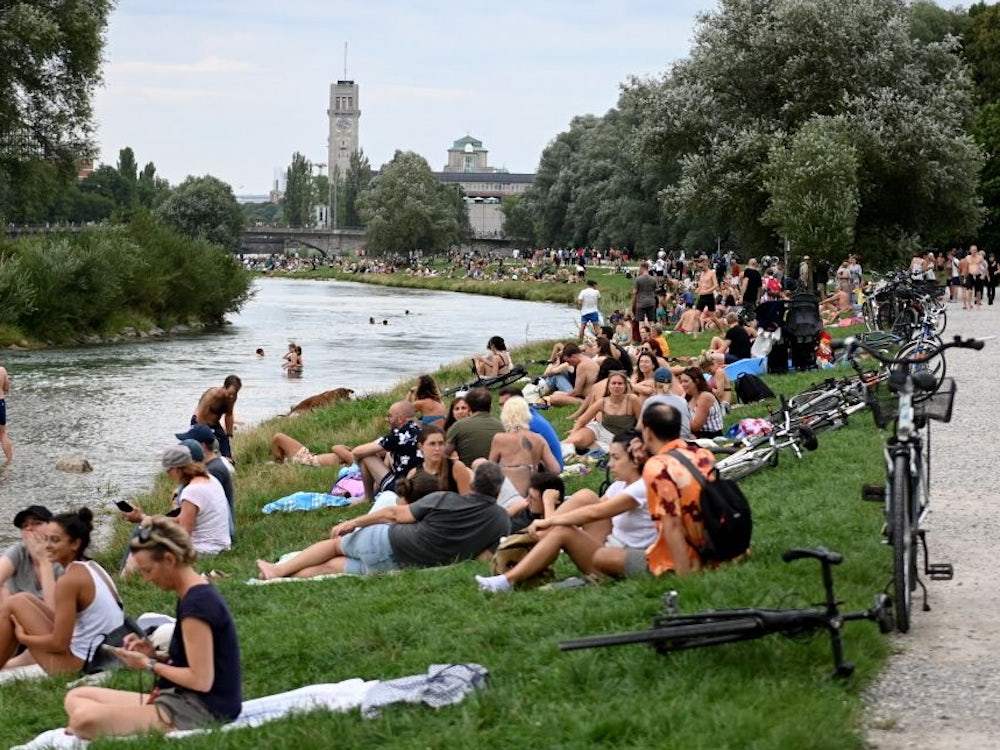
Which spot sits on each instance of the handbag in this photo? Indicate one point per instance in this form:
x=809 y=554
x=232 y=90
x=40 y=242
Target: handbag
x=100 y=659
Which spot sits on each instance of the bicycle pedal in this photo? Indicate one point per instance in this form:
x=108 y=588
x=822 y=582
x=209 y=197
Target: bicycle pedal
x=941 y=571
x=873 y=493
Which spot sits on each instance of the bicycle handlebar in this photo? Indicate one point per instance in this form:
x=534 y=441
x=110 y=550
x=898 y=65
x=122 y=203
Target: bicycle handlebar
x=853 y=345
x=818 y=553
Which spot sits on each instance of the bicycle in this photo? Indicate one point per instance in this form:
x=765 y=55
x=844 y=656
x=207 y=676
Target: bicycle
x=906 y=490
x=764 y=450
x=499 y=381
x=672 y=631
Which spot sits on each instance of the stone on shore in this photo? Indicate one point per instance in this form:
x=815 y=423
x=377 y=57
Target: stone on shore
x=74 y=464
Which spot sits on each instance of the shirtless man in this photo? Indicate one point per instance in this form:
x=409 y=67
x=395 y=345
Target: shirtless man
x=8 y=449
x=585 y=370
x=215 y=408
x=966 y=279
x=834 y=305
x=708 y=282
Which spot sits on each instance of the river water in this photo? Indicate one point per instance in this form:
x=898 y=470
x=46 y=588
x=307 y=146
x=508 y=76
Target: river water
x=118 y=405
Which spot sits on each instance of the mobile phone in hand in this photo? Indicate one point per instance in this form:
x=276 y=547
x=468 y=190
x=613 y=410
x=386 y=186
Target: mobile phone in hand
x=124 y=507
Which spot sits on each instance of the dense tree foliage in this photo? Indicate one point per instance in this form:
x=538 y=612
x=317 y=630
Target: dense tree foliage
x=982 y=50
x=51 y=58
x=406 y=208
x=837 y=124
x=352 y=185
x=204 y=208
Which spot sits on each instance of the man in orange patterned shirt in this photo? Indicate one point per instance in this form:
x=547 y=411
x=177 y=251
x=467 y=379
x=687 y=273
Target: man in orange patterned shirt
x=673 y=494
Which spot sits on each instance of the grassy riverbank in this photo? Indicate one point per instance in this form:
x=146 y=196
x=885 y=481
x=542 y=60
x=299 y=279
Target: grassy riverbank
x=769 y=693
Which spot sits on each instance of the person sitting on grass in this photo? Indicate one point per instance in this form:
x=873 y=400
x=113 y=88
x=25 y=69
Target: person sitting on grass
x=385 y=461
x=496 y=361
x=607 y=535
x=198 y=685
x=457 y=410
x=571 y=379
x=426 y=528
x=60 y=632
x=704 y=407
x=451 y=473
x=519 y=451
x=718 y=381
x=426 y=399
x=616 y=412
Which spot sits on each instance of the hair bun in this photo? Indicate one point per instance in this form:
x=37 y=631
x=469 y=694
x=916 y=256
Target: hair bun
x=87 y=516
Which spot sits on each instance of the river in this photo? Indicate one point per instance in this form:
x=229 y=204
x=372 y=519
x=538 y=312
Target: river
x=118 y=405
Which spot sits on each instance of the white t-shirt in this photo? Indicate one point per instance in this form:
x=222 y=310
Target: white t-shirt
x=588 y=299
x=633 y=528
x=211 y=526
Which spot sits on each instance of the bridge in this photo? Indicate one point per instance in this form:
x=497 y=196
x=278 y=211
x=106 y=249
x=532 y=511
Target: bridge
x=329 y=242
x=276 y=240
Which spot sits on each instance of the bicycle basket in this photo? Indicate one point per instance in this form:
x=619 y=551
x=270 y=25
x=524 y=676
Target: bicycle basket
x=938 y=405
x=884 y=403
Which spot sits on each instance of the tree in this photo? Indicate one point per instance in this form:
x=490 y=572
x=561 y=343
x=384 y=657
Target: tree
x=353 y=184
x=982 y=50
x=761 y=69
x=299 y=192
x=813 y=184
x=204 y=207
x=150 y=189
x=517 y=220
x=51 y=56
x=128 y=171
x=406 y=208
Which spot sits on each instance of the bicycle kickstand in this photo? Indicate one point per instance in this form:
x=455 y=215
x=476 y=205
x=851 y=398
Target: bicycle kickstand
x=934 y=571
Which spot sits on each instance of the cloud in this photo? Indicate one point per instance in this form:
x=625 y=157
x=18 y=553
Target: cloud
x=162 y=94
x=205 y=66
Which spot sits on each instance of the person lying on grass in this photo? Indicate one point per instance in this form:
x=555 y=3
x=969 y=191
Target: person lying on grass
x=607 y=535
x=427 y=528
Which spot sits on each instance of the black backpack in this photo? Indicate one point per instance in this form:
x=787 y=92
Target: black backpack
x=750 y=388
x=725 y=515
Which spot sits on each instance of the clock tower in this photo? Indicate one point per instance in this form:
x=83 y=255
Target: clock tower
x=344 y=113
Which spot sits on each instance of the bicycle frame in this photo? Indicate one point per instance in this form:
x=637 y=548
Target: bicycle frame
x=678 y=632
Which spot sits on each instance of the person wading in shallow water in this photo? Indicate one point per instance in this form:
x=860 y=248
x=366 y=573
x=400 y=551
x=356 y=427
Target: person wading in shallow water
x=215 y=409
x=8 y=448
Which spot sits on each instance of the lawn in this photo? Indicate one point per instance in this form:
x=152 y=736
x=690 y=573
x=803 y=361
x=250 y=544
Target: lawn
x=770 y=693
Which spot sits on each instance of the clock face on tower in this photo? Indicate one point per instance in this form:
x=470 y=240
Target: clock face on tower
x=343 y=123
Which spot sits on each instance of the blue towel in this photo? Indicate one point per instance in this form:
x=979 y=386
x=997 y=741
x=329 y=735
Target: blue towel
x=305 y=501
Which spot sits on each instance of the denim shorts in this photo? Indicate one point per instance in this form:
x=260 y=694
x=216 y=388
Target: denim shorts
x=368 y=550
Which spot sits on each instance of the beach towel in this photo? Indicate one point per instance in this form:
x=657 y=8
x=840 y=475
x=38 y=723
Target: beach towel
x=305 y=501
x=441 y=685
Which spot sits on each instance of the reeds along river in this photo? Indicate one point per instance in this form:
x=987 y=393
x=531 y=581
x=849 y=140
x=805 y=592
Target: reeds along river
x=119 y=405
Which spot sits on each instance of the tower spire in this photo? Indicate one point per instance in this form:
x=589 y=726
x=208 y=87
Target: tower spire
x=345 y=62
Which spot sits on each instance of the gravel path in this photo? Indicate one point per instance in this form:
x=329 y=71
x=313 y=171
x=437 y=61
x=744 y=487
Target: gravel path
x=941 y=689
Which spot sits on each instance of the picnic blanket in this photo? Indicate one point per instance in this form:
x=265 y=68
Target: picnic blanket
x=441 y=685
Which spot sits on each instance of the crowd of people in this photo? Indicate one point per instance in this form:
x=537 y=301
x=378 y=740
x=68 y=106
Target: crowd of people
x=447 y=481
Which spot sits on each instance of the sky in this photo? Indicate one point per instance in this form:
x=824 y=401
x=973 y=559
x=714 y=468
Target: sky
x=233 y=88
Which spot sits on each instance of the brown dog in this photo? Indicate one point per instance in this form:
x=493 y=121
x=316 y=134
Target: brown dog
x=326 y=398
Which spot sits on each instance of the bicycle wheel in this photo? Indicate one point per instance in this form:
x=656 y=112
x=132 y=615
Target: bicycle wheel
x=940 y=319
x=925 y=349
x=901 y=536
x=751 y=460
x=906 y=323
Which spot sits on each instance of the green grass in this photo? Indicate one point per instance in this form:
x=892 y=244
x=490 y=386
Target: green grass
x=769 y=693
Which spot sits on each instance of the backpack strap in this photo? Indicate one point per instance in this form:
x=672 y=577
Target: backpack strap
x=692 y=469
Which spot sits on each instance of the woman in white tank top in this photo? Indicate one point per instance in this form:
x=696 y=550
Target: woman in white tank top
x=60 y=634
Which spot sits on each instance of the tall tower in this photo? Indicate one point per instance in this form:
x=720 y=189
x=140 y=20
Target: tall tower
x=344 y=113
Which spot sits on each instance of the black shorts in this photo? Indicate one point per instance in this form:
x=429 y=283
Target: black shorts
x=706 y=302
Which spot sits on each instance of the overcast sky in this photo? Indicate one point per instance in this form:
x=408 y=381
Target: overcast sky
x=233 y=88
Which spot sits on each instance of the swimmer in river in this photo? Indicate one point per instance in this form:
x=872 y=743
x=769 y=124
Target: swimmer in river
x=371 y=321
x=260 y=352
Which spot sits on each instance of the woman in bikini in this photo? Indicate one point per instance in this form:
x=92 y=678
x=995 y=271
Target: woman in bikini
x=62 y=632
x=451 y=473
x=497 y=360
x=518 y=450
x=718 y=381
x=614 y=413
x=426 y=399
